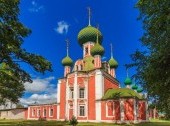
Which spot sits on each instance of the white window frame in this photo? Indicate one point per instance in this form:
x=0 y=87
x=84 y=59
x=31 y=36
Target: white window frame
x=50 y=112
x=84 y=111
x=45 y=110
x=33 y=112
x=71 y=94
x=107 y=114
x=38 y=112
x=81 y=94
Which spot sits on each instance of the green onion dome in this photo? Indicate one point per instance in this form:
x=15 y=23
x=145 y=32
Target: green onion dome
x=67 y=61
x=139 y=90
x=97 y=50
x=127 y=81
x=113 y=63
x=134 y=87
x=89 y=34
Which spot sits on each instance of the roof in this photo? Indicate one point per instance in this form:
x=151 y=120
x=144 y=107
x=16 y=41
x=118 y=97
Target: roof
x=13 y=109
x=121 y=93
x=43 y=104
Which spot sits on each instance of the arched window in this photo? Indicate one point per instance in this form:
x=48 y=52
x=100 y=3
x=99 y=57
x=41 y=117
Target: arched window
x=51 y=111
x=86 y=51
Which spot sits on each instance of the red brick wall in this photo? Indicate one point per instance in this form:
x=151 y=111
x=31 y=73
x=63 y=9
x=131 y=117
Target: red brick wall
x=26 y=113
x=41 y=108
x=141 y=110
x=129 y=109
x=91 y=99
x=109 y=84
x=62 y=99
x=71 y=81
x=117 y=110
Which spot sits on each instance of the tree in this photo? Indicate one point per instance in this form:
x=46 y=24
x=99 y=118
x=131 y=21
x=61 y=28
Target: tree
x=12 y=34
x=153 y=64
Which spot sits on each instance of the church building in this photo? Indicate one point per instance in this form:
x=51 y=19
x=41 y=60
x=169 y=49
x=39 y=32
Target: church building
x=89 y=89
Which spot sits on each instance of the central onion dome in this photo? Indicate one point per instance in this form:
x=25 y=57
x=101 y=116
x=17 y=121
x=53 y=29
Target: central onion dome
x=97 y=50
x=89 y=34
x=67 y=61
x=128 y=81
x=113 y=63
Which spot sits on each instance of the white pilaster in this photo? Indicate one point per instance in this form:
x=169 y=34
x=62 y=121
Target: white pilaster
x=98 y=85
x=135 y=111
x=58 y=91
x=75 y=94
x=58 y=112
x=147 y=114
x=98 y=110
x=28 y=112
x=122 y=113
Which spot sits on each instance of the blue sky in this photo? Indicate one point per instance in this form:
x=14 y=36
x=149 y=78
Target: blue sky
x=53 y=21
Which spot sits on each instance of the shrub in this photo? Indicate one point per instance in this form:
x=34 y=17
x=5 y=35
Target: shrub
x=73 y=121
x=42 y=119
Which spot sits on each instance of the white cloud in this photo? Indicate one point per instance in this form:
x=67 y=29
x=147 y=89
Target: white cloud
x=35 y=7
x=42 y=91
x=39 y=85
x=62 y=27
x=39 y=99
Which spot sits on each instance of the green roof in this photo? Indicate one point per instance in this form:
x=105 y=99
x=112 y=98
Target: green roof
x=89 y=34
x=113 y=63
x=121 y=93
x=128 y=81
x=67 y=61
x=97 y=50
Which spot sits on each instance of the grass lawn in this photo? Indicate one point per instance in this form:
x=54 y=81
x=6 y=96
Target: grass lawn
x=57 y=123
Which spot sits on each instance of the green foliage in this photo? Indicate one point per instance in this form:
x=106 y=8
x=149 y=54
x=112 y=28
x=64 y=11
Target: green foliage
x=19 y=105
x=153 y=65
x=12 y=34
x=73 y=121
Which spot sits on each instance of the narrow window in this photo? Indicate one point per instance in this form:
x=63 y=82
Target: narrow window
x=38 y=112
x=82 y=110
x=51 y=112
x=81 y=67
x=45 y=112
x=71 y=93
x=33 y=112
x=86 y=50
x=81 y=93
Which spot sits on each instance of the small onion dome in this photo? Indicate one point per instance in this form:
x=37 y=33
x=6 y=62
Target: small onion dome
x=97 y=50
x=67 y=61
x=134 y=87
x=127 y=81
x=139 y=90
x=113 y=63
x=89 y=34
